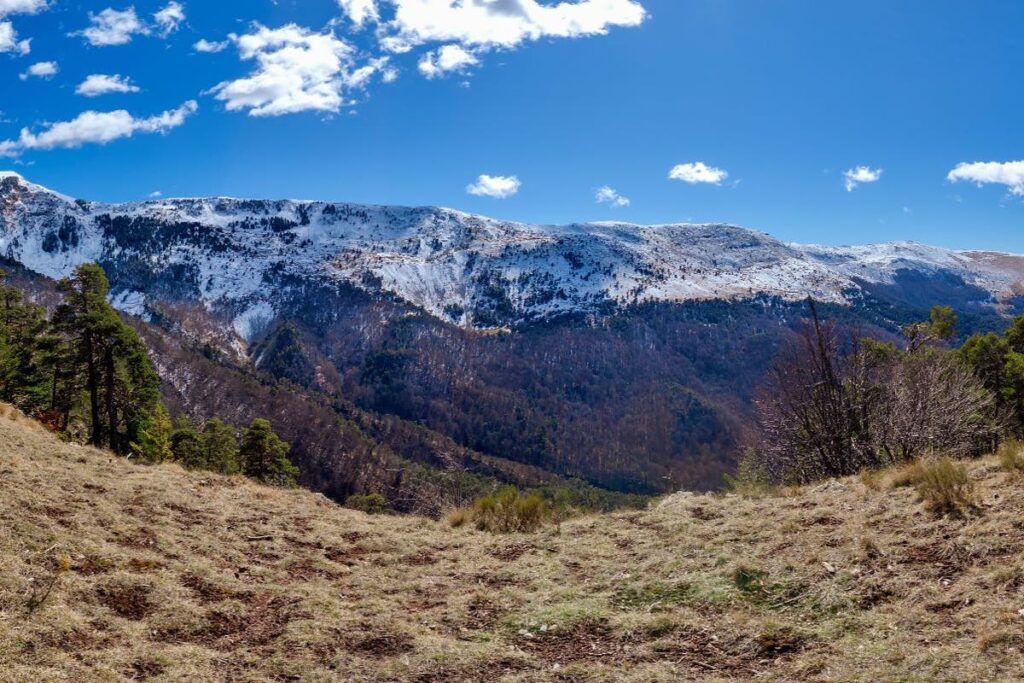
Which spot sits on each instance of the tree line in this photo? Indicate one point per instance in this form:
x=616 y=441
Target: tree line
x=836 y=403
x=85 y=374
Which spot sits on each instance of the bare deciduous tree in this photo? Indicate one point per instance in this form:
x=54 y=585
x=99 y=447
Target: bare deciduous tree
x=833 y=410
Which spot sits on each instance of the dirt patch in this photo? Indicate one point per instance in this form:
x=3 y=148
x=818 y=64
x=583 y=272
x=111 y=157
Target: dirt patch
x=587 y=639
x=623 y=543
x=779 y=642
x=422 y=558
x=307 y=569
x=512 y=552
x=371 y=643
x=127 y=601
x=141 y=539
x=207 y=591
x=263 y=622
x=481 y=614
x=702 y=513
x=484 y=670
x=74 y=639
x=144 y=669
x=497 y=579
x=825 y=520
x=347 y=556
x=940 y=560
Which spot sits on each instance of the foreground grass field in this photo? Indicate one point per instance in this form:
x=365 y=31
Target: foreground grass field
x=112 y=572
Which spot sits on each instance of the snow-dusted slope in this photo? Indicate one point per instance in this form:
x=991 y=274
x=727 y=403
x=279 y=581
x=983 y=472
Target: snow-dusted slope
x=233 y=256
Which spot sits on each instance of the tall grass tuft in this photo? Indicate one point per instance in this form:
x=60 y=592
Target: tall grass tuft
x=944 y=485
x=503 y=512
x=1011 y=456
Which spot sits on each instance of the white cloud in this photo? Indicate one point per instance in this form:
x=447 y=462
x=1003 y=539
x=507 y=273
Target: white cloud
x=113 y=27
x=445 y=60
x=9 y=40
x=156 y=194
x=1009 y=173
x=21 y=6
x=92 y=127
x=8 y=36
x=102 y=84
x=862 y=174
x=40 y=70
x=170 y=18
x=498 y=187
x=698 y=172
x=360 y=11
x=607 y=195
x=297 y=70
x=469 y=27
x=204 y=45
x=492 y=23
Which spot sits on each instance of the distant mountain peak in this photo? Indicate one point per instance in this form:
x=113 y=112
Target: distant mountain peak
x=235 y=256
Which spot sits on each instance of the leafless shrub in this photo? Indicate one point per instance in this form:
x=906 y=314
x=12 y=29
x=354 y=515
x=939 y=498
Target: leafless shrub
x=929 y=403
x=814 y=414
x=833 y=409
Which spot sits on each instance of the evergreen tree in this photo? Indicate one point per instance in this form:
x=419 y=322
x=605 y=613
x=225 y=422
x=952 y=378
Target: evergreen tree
x=109 y=361
x=154 y=443
x=136 y=386
x=25 y=338
x=264 y=456
x=219 y=447
x=987 y=355
x=185 y=445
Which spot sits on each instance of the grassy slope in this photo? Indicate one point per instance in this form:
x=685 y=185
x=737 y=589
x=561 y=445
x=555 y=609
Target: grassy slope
x=180 y=576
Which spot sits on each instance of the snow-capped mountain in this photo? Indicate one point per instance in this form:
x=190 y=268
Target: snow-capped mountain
x=234 y=256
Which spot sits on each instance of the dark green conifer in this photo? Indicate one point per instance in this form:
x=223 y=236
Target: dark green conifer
x=264 y=456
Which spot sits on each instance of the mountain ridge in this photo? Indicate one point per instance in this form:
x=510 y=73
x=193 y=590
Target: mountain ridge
x=465 y=269
x=624 y=357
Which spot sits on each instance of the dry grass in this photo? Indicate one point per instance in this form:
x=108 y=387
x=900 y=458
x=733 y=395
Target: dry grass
x=945 y=486
x=115 y=572
x=1011 y=456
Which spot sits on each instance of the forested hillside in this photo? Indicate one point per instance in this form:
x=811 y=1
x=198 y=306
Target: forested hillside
x=339 y=449
x=388 y=343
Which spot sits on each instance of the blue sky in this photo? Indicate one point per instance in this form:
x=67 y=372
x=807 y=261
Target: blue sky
x=760 y=107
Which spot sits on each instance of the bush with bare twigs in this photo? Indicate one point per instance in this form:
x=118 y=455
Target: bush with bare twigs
x=834 y=407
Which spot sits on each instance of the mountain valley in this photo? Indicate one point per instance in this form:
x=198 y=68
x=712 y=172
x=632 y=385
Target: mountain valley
x=623 y=358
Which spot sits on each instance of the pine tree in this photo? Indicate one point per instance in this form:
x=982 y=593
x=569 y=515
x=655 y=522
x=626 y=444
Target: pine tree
x=85 y=319
x=154 y=443
x=219 y=446
x=185 y=445
x=264 y=456
x=109 y=361
x=136 y=392
x=24 y=338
